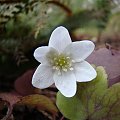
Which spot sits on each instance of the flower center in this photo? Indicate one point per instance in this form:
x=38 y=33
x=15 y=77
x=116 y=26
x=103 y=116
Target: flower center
x=62 y=63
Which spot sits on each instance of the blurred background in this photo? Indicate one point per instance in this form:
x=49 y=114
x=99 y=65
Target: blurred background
x=27 y=24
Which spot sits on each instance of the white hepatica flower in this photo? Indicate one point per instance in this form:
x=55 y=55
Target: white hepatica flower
x=62 y=63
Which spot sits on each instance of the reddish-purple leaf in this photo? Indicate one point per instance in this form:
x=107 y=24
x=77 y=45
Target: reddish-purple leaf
x=110 y=60
x=23 y=84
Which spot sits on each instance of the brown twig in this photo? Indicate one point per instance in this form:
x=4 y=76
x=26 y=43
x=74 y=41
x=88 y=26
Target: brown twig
x=61 y=5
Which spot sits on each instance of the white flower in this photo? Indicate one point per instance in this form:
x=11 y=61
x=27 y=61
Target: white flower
x=63 y=63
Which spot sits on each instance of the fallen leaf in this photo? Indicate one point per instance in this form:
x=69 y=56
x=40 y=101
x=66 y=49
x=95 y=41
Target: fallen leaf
x=3 y=105
x=111 y=63
x=10 y=100
x=23 y=84
x=40 y=102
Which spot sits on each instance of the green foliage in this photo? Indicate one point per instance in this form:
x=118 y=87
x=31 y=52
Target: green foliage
x=93 y=101
x=103 y=10
x=9 y=9
x=113 y=25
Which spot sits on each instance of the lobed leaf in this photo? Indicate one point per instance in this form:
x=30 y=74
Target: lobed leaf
x=93 y=100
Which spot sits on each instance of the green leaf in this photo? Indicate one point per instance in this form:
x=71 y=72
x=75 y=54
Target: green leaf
x=87 y=103
x=111 y=102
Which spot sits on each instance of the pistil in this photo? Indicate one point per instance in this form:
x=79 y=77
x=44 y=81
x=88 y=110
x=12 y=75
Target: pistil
x=62 y=63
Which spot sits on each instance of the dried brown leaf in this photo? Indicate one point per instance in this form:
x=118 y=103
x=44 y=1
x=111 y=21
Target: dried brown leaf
x=41 y=102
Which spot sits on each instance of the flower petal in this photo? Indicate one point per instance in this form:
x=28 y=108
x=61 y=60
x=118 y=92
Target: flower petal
x=80 y=50
x=60 y=38
x=84 y=72
x=41 y=53
x=43 y=77
x=66 y=83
